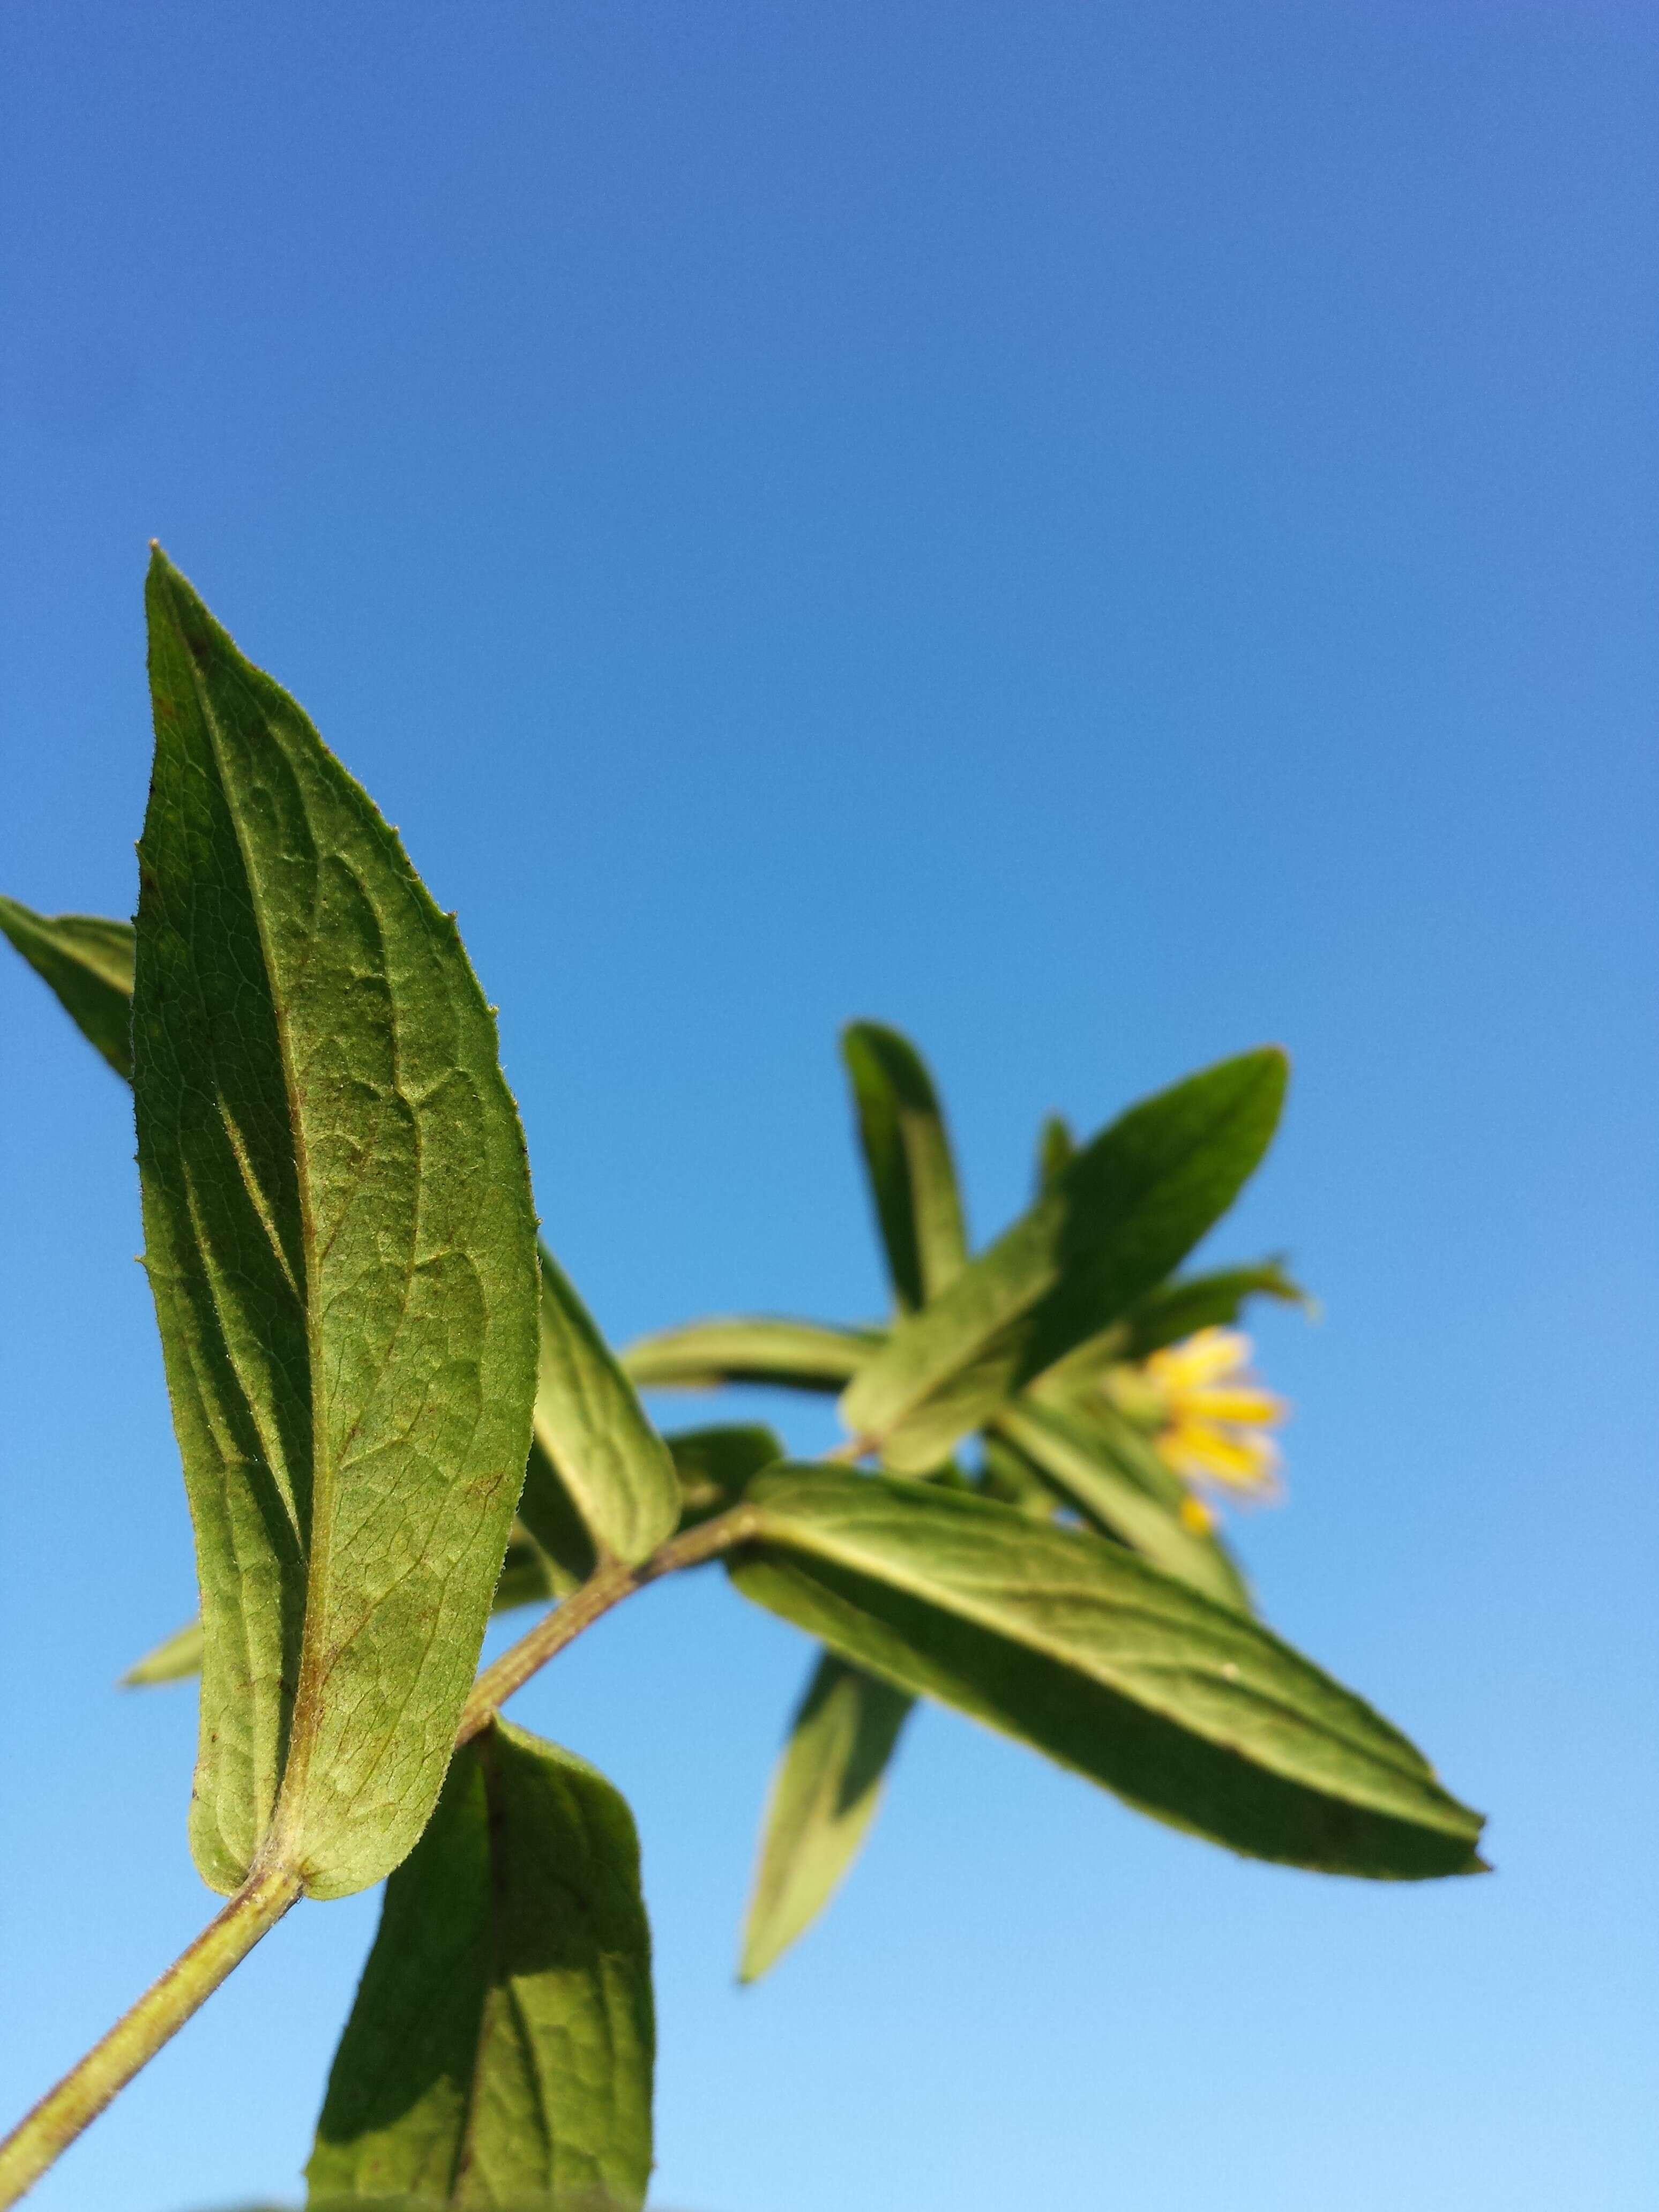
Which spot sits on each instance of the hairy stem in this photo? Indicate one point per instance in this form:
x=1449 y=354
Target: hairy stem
x=47 y=2132
x=43 y=2134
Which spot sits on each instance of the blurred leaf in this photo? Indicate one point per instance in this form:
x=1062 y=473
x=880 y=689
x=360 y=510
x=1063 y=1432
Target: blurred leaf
x=527 y=1577
x=594 y=1434
x=907 y=1153
x=174 y=1659
x=341 y=1246
x=1113 y=1223
x=1056 y=1150
x=1130 y=1449
x=1106 y=1488
x=716 y=1465
x=1186 y=1707
x=1182 y=1307
x=500 y=2049
x=823 y=1799
x=88 y=963
x=1177 y=1309
x=706 y=1355
x=1011 y=1479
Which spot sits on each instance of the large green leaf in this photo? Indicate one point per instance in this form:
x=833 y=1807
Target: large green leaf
x=1107 y=1486
x=528 y=1576
x=1114 y=1222
x=594 y=1433
x=908 y=1154
x=763 y=1348
x=500 y=2049
x=88 y=963
x=1186 y=1707
x=341 y=1244
x=823 y=1799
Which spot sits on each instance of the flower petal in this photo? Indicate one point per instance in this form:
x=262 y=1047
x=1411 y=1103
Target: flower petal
x=1199 y=1451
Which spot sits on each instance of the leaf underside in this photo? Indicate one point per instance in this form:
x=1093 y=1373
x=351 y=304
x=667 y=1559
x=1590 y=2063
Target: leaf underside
x=1186 y=1707
x=500 y=2049
x=823 y=1798
x=907 y=1156
x=760 y=1348
x=1095 y=1472
x=88 y=962
x=340 y=1241
x=593 y=1433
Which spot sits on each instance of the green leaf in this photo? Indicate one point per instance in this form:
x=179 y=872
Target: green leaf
x=88 y=963
x=1109 y=1488
x=823 y=1799
x=500 y=2049
x=528 y=1576
x=707 y=1355
x=174 y=1659
x=1113 y=1223
x=1009 y=1477
x=908 y=1154
x=1190 y=1303
x=341 y=1244
x=594 y=1431
x=550 y=1513
x=716 y=1466
x=1056 y=1149
x=1186 y=1707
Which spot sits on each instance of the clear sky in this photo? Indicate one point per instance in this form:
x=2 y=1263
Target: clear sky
x=1104 y=535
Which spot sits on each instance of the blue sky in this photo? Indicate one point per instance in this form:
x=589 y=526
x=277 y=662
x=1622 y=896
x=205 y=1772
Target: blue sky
x=1103 y=535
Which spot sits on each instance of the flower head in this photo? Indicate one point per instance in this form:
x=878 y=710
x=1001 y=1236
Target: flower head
x=1215 y=1417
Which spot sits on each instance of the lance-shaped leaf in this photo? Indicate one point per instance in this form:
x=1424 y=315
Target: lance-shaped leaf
x=1186 y=1707
x=1110 y=1487
x=823 y=1799
x=1056 y=1149
x=908 y=1154
x=499 y=2053
x=1174 y=1310
x=761 y=1348
x=88 y=961
x=174 y=1659
x=341 y=1244
x=1115 y=1221
x=1189 y=1303
x=594 y=1433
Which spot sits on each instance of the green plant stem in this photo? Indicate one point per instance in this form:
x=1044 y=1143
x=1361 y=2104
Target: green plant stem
x=62 y=2112
x=43 y=2134
x=608 y=1587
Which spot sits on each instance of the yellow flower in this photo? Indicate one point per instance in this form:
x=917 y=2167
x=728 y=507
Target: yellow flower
x=1215 y=1418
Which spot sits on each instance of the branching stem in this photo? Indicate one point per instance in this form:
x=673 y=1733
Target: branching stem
x=608 y=1587
x=46 y=2133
